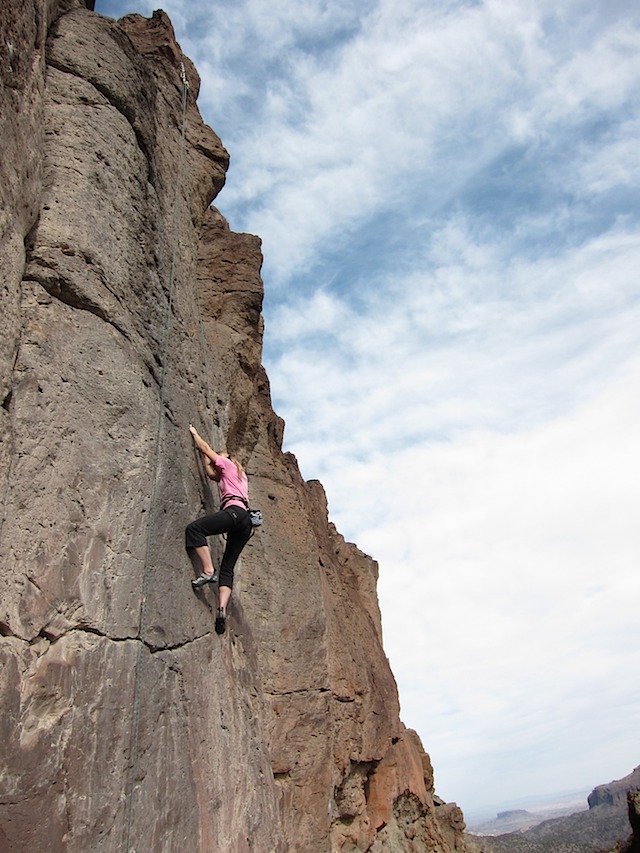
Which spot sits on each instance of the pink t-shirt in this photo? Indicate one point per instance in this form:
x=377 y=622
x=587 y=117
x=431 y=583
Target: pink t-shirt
x=230 y=483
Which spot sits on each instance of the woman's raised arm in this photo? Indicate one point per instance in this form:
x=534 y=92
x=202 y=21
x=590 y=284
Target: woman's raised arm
x=202 y=445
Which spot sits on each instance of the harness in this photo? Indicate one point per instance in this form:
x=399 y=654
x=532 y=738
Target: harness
x=254 y=514
x=227 y=498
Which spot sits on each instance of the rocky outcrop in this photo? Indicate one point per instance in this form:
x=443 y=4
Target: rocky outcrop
x=129 y=310
x=631 y=844
x=615 y=793
x=633 y=802
x=602 y=827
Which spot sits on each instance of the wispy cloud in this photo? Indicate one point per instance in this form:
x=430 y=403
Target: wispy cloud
x=407 y=112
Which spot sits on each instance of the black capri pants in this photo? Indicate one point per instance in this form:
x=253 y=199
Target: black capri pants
x=235 y=521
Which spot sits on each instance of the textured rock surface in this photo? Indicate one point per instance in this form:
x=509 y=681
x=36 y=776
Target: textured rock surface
x=615 y=793
x=634 y=820
x=631 y=844
x=130 y=309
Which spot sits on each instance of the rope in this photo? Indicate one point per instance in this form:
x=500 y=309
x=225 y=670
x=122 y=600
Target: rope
x=205 y=357
x=204 y=353
x=139 y=669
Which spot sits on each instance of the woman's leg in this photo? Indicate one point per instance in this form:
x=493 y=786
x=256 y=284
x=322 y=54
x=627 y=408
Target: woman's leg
x=204 y=555
x=224 y=594
x=196 y=537
x=236 y=540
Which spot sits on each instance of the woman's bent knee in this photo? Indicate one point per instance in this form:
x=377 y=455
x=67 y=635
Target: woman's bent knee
x=193 y=536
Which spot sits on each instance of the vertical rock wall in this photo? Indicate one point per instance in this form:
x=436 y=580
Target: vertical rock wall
x=130 y=309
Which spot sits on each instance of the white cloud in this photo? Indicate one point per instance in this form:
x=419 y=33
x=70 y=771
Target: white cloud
x=482 y=340
x=509 y=613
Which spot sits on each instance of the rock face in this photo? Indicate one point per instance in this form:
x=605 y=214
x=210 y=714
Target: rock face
x=633 y=799
x=129 y=309
x=615 y=793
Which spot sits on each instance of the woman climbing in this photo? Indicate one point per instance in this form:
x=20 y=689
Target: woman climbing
x=232 y=519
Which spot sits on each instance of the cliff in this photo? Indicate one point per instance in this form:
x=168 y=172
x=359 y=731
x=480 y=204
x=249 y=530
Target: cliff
x=129 y=309
x=615 y=793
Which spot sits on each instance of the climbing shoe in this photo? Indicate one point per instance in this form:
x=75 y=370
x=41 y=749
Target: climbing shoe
x=221 y=621
x=203 y=579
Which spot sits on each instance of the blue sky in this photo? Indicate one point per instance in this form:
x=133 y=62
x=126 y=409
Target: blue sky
x=448 y=195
